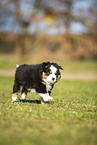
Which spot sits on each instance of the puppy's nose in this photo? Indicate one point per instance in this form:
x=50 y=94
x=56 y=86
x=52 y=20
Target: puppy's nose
x=53 y=79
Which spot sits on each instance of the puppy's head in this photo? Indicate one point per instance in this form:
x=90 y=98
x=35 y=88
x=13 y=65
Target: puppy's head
x=51 y=72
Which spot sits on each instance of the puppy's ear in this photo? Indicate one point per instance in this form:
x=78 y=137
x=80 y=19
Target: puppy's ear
x=60 y=67
x=45 y=65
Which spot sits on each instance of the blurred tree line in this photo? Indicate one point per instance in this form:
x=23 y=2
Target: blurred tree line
x=24 y=12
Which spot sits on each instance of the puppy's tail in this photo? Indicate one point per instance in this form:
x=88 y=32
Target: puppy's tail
x=17 y=65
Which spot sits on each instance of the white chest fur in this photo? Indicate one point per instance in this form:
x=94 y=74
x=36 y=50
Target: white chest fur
x=48 y=87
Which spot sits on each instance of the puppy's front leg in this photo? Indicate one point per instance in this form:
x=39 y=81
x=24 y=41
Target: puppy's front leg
x=42 y=101
x=46 y=97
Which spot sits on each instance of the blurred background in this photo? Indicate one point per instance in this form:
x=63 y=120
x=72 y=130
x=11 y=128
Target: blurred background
x=64 y=31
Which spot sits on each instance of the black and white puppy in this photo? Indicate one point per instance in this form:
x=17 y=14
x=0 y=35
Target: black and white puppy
x=38 y=78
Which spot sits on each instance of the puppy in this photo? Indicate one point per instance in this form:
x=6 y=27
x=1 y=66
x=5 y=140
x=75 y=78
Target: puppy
x=39 y=79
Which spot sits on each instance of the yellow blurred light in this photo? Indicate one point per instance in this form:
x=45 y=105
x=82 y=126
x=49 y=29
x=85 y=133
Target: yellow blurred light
x=48 y=20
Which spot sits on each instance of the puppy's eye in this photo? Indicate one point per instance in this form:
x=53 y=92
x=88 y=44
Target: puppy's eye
x=56 y=73
x=50 y=71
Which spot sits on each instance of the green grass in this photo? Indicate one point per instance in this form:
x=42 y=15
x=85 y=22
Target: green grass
x=10 y=61
x=70 y=120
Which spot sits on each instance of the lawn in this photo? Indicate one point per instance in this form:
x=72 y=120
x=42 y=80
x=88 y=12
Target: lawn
x=70 y=120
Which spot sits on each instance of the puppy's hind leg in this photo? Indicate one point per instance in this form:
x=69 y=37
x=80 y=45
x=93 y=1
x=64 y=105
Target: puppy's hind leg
x=23 y=93
x=23 y=96
x=16 y=89
x=14 y=96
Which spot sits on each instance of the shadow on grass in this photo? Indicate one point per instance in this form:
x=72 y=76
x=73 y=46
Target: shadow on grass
x=30 y=101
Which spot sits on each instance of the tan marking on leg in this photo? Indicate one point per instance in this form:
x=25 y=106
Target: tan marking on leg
x=21 y=88
x=24 y=94
x=14 y=96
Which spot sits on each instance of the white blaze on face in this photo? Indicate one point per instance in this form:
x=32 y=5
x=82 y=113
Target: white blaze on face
x=52 y=77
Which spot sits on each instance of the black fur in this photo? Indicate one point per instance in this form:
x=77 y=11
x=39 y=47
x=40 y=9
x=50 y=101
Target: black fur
x=30 y=77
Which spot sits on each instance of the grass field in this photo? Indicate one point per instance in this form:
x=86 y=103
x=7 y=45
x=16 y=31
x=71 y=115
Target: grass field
x=68 y=65
x=70 y=120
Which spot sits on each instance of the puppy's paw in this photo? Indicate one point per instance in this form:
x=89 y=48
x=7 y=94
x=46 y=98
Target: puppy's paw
x=14 y=97
x=50 y=99
x=23 y=96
